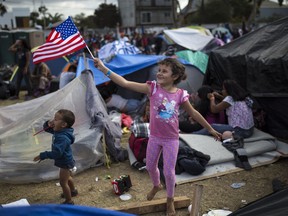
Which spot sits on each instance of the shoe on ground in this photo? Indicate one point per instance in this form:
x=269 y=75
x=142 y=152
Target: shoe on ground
x=278 y=185
x=14 y=98
x=73 y=194
x=68 y=203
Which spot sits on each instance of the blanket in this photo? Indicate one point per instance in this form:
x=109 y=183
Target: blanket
x=262 y=149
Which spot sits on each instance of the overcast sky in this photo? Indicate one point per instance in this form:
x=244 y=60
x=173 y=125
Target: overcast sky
x=65 y=7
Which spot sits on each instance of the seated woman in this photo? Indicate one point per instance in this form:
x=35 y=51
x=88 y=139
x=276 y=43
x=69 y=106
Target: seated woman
x=202 y=105
x=115 y=101
x=238 y=106
x=41 y=79
x=68 y=75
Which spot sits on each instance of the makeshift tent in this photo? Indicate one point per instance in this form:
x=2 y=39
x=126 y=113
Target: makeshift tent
x=19 y=122
x=258 y=62
x=140 y=68
x=274 y=204
x=189 y=38
x=222 y=30
x=117 y=47
x=52 y=209
x=198 y=58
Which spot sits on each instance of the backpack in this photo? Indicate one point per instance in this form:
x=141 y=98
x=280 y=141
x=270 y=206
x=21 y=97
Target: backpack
x=138 y=145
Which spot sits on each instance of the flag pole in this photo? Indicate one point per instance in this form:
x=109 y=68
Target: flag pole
x=90 y=51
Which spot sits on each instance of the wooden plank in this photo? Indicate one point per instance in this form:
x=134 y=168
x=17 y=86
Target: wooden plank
x=158 y=205
x=196 y=200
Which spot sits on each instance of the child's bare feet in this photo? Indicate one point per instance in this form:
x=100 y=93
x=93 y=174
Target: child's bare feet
x=153 y=192
x=170 y=207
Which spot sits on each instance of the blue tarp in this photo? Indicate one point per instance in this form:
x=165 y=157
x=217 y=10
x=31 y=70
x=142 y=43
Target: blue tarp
x=58 y=210
x=122 y=65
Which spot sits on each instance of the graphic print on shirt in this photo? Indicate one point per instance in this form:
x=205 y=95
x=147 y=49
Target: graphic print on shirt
x=166 y=109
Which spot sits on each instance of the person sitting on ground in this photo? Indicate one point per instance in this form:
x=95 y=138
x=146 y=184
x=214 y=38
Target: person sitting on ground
x=68 y=76
x=115 y=101
x=41 y=79
x=238 y=107
x=202 y=105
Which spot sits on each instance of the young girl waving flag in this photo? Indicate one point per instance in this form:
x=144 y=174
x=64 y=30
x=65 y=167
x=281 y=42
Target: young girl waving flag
x=165 y=99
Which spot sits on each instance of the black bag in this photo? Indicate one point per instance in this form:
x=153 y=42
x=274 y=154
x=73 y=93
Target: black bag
x=4 y=90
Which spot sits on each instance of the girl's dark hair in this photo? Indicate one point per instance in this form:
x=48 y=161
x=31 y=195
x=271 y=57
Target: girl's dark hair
x=25 y=44
x=235 y=90
x=203 y=106
x=177 y=68
x=67 y=116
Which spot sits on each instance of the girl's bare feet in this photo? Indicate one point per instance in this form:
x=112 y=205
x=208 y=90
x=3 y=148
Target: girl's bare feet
x=153 y=192
x=170 y=207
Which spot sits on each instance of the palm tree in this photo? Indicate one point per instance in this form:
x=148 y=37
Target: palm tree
x=54 y=18
x=3 y=9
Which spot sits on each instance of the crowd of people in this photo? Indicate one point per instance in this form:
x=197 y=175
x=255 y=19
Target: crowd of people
x=38 y=82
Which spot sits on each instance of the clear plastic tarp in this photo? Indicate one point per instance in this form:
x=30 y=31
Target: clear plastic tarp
x=19 y=122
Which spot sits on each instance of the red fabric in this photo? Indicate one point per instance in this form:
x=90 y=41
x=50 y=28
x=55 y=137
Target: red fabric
x=126 y=120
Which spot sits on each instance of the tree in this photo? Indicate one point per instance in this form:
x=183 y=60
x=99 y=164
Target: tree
x=280 y=2
x=42 y=9
x=188 y=9
x=3 y=9
x=254 y=11
x=54 y=18
x=227 y=11
x=34 y=16
x=107 y=15
x=79 y=19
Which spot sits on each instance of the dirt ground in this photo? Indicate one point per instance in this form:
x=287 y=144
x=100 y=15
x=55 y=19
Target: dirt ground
x=217 y=192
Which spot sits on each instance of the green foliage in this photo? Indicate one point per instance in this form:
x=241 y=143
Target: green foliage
x=216 y=11
x=42 y=9
x=54 y=18
x=221 y=11
x=240 y=9
x=83 y=21
x=34 y=16
x=107 y=15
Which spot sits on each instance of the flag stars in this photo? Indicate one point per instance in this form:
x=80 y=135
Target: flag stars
x=66 y=29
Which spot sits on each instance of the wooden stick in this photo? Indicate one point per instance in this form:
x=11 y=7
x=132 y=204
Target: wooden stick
x=157 y=205
x=89 y=51
x=196 y=200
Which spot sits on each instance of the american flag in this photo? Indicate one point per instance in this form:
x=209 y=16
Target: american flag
x=63 y=40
